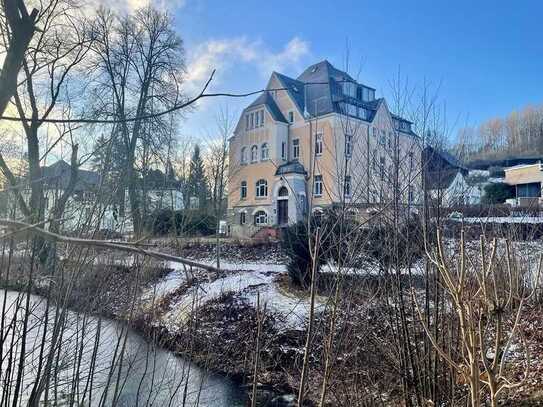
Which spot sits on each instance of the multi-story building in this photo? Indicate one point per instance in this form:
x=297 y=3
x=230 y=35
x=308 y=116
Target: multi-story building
x=320 y=139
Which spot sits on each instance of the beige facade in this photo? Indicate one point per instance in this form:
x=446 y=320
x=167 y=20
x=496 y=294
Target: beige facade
x=287 y=158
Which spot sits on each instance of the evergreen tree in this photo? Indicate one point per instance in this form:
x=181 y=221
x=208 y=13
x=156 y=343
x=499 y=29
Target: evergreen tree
x=197 y=185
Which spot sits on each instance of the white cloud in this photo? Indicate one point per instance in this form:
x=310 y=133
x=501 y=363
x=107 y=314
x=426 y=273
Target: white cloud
x=224 y=54
x=129 y=6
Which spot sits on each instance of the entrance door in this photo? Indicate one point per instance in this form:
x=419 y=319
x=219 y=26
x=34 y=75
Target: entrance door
x=282 y=211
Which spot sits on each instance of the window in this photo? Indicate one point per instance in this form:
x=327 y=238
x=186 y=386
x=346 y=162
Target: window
x=257 y=119
x=283 y=191
x=390 y=140
x=347 y=185
x=247 y=122
x=348 y=145
x=382 y=139
x=261 y=188
x=284 y=150
x=243 y=190
x=242 y=218
x=261 y=118
x=374 y=131
x=317 y=188
x=291 y=117
x=349 y=88
x=194 y=202
x=264 y=152
x=252 y=121
x=254 y=154
x=318 y=144
x=261 y=218
x=367 y=94
x=295 y=149
x=382 y=167
x=244 y=155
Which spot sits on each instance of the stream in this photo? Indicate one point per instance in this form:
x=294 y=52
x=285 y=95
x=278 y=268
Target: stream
x=97 y=362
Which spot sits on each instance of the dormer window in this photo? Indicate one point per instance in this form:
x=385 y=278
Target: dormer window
x=349 y=88
x=291 y=117
x=365 y=94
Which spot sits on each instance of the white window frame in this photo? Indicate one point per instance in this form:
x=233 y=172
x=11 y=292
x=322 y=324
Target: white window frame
x=295 y=148
x=284 y=150
x=258 y=216
x=291 y=116
x=262 y=118
x=318 y=185
x=347 y=187
x=348 y=145
x=264 y=152
x=244 y=155
x=254 y=153
x=261 y=183
x=318 y=143
x=243 y=190
x=242 y=218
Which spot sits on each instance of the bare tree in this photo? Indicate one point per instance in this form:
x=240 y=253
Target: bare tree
x=140 y=59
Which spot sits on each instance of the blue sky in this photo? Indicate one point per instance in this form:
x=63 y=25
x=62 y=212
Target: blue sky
x=487 y=55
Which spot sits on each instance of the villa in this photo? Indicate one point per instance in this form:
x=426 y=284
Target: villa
x=318 y=140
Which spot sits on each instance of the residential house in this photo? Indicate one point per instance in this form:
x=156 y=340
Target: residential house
x=314 y=141
x=447 y=180
x=527 y=179
x=91 y=201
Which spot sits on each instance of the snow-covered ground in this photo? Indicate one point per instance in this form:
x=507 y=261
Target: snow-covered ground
x=245 y=281
x=502 y=219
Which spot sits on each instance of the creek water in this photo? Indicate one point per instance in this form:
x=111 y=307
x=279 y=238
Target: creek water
x=96 y=362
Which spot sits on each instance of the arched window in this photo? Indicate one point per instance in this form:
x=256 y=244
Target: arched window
x=261 y=218
x=243 y=190
x=261 y=188
x=283 y=191
x=264 y=153
x=243 y=155
x=254 y=154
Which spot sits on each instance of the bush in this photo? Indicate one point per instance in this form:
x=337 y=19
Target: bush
x=497 y=193
x=189 y=223
x=295 y=243
x=374 y=243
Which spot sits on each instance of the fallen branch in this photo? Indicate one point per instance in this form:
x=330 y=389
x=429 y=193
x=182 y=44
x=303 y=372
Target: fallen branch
x=18 y=227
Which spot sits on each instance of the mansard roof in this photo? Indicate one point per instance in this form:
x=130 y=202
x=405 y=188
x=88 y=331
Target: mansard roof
x=317 y=91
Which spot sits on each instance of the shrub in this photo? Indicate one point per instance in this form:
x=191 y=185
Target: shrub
x=295 y=243
x=189 y=223
x=497 y=193
x=345 y=241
